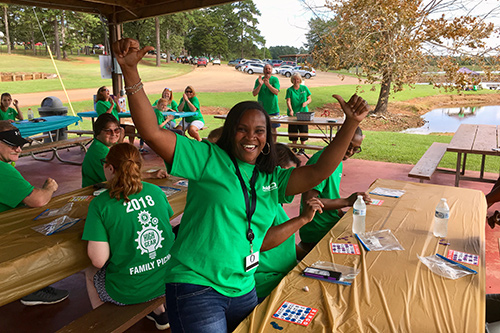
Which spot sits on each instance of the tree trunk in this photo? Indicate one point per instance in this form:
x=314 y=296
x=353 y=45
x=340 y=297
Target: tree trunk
x=63 y=35
x=158 y=51
x=168 y=50
x=383 y=97
x=7 y=35
x=57 y=46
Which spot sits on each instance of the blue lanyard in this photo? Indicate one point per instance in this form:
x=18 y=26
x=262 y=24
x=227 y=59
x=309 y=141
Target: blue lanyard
x=250 y=206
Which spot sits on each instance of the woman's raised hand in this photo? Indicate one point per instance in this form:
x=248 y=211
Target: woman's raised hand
x=128 y=52
x=356 y=108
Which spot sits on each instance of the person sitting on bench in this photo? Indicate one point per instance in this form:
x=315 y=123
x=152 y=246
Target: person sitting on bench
x=129 y=234
x=15 y=191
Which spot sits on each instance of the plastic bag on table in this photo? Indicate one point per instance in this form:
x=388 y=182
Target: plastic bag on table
x=443 y=268
x=381 y=240
x=56 y=211
x=348 y=273
x=59 y=224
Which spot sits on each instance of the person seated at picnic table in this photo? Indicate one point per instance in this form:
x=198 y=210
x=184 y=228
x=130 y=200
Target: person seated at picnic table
x=106 y=134
x=129 y=236
x=190 y=103
x=15 y=191
x=169 y=96
x=277 y=262
x=8 y=113
x=218 y=221
x=166 y=122
x=297 y=98
x=328 y=191
x=106 y=103
x=491 y=198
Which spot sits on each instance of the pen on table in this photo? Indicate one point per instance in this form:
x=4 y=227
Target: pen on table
x=362 y=243
x=456 y=263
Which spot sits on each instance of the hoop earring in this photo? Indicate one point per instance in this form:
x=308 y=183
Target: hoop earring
x=268 y=149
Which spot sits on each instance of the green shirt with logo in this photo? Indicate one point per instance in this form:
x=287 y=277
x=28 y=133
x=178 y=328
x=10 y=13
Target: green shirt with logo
x=329 y=188
x=13 y=187
x=103 y=106
x=139 y=236
x=277 y=262
x=92 y=168
x=266 y=98
x=297 y=98
x=10 y=114
x=211 y=246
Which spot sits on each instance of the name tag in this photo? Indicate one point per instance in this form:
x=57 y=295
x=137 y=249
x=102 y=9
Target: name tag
x=251 y=261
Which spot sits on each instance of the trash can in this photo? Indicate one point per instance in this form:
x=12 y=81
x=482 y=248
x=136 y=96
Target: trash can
x=52 y=106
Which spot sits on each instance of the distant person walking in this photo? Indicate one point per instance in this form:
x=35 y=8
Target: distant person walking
x=267 y=88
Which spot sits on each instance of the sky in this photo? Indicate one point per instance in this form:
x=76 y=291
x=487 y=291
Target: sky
x=285 y=22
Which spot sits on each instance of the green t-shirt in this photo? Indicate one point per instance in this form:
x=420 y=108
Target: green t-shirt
x=266 y=98
x=92 y=168
x=103 y=106
x=186 y=108
x=297 y=97
x=277 y=262
x=211 y=246
x=321 y=224
x=161 y=118
x=13 y=187
x=10 y=114
x=139 y=236
x=173 y=105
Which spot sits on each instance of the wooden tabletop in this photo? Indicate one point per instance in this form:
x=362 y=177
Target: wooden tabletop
x=331 y=122
x=475 y=139
x=30 y=260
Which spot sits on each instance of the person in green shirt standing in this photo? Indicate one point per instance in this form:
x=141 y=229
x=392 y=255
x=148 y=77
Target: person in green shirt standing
x=328 y=191
x=297 y=98
x=106 y=103
x=267 y=88
x=190 y=103
x=8 y=113
x=234 y=189
x=15 y=191
x=129 y=236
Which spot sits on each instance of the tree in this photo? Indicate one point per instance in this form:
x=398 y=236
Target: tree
x=277 y=51
x=390 y=39
x=6 y=26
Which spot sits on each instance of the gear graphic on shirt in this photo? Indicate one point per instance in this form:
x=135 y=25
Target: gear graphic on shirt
x=149 y=239
x=144 y=217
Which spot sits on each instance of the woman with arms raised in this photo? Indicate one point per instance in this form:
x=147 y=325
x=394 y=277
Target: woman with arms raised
x=234 y=189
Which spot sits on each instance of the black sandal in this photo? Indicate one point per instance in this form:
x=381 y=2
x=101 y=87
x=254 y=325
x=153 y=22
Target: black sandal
x=494 y=219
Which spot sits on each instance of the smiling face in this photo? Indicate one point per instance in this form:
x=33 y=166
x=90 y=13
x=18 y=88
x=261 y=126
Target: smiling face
x=166 y=94
x=268 y=70
x=6 y=101
x=251 y=136
x=354 y=146
x=162 y=106
x=9 y=153
x=104 y=93
x=109 y=135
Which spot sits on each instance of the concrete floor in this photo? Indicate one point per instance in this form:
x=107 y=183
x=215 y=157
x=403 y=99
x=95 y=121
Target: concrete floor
x=358 y=175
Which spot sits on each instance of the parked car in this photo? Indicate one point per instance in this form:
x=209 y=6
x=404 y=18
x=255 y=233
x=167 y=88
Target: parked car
x=240 y=64
x=164 y=56
x=201 y=62
x=275 y=62
x=306 y=72
x=283 y=70
x=288 y=63
x=215 y=61
x=256 y=67
x=234 y=62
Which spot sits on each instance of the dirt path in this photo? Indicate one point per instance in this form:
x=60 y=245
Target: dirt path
x=210 y=79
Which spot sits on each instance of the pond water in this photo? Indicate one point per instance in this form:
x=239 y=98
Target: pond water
x=447 y=120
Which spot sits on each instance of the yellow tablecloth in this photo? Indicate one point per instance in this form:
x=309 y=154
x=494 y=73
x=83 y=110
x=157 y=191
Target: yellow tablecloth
x=394 y=291
x=30 y=261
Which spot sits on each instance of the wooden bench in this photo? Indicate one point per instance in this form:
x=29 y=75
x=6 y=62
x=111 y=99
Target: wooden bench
x=429 y=162
x=112 y=318
x=309 y=135
x=54 y=147
x=80 y=132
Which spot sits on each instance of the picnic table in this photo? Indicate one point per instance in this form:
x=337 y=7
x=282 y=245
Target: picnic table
x=474 y=139
x=44 y=124
x=394 y=291
x=30 y=260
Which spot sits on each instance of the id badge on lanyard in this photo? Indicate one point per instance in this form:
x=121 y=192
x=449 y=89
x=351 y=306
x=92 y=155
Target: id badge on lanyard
x=252 y=260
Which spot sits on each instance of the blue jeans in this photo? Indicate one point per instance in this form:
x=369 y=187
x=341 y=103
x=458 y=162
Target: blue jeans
x=201 y=309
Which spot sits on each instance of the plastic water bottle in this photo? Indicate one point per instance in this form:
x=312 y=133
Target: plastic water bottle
x=358 y=215
x=31 y=115
x=441 y=217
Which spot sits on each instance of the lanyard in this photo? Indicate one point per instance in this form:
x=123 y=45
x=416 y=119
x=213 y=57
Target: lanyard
x=250 y=206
